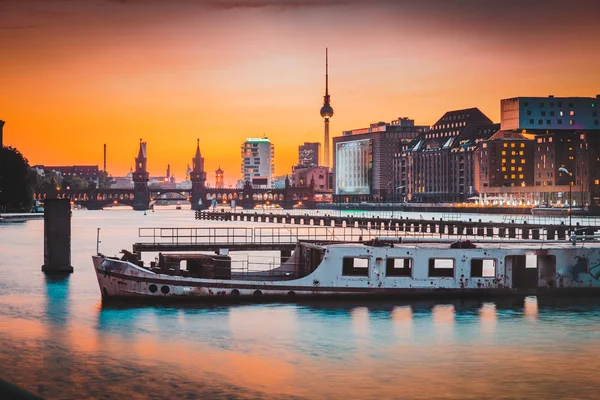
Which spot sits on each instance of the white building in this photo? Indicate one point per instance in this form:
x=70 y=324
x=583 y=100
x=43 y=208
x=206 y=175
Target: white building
x=550 y=113
x=258 y=156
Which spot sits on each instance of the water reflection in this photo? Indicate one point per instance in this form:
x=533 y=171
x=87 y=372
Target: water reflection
x=59 y=339
x=57 y=299
x=530 y=308
x=488 y=318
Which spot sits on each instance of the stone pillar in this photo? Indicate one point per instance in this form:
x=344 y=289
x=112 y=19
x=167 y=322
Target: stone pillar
x=57 y=237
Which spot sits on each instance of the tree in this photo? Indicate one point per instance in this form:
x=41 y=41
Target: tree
x=16 y=185
x=48 y=182
x=74 y=183
x=104 y=180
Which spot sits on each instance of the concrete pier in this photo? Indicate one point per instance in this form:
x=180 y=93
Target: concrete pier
x=57 y=237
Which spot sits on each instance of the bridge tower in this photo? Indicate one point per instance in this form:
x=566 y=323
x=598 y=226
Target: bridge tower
x=198 y=178
x=141 y=194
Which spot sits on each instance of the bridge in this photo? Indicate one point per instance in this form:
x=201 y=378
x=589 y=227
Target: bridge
x=142 y=197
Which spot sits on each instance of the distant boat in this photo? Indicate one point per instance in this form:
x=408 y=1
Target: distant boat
x=558 y=211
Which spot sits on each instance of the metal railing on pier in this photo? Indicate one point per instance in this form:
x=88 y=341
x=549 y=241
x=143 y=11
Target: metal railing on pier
x=256 y=235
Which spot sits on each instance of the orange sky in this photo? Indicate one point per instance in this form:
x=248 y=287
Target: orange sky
x=77 y=74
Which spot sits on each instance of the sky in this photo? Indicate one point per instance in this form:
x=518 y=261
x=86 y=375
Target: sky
x=75 y=74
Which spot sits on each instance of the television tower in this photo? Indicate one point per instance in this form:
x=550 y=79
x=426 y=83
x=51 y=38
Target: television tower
x=326 y=112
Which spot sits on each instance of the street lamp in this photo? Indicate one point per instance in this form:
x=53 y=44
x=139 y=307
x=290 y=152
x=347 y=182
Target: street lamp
x=564 y=170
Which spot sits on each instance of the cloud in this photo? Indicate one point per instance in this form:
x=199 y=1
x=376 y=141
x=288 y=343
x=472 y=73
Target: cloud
x=281 y=5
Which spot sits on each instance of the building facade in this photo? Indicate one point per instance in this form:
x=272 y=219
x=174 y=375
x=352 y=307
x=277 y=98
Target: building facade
x=550 y=113
x=308 y=154
x=504 y=163
x=363 y=159
x=86 y=172
x=219 y=178
x=438 y=165
x=258 y=155
x=315 y=175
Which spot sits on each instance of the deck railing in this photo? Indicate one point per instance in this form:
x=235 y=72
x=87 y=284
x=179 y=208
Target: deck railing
x=261 y=235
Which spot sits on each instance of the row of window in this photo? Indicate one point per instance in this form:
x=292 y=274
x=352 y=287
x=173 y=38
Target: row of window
x=402 y=267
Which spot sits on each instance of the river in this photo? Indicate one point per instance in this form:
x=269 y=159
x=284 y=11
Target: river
x=57 y=340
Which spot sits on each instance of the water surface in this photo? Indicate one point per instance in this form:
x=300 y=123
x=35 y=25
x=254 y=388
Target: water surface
x=58 y=340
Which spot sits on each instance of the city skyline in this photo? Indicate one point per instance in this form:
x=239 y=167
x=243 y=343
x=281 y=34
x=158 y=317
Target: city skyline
x=223 y=71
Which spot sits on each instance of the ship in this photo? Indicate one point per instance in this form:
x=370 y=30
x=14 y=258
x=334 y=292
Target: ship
x=377 y=268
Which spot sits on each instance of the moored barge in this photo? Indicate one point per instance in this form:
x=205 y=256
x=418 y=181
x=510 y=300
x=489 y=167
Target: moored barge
x=384 y=267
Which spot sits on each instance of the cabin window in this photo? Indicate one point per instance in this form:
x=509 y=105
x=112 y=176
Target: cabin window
x=531 y=261
x=483 y=268
x=399 y=267
x=355 y=266
x=441 y=267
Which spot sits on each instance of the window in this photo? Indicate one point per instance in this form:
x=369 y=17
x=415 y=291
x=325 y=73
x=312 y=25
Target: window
x=552 y=113
x=399 y=267
x=548 y=122
x=596 y=122
x=441 y=267
x=543 y=113
x=531 y=121
x=562 y=113
x=571 y=105
x=522 y=145
x=571 y=112
x=483 y=268
x=528 y=112
x=526 y=104
x=503 y=152
x=559 y=122
x=541 y=104
x=571 y=122
x=540 y=121
x=355 y=266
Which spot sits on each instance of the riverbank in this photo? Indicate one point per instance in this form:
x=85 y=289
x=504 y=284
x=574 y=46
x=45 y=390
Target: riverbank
x=19 y=217
x=446 y=208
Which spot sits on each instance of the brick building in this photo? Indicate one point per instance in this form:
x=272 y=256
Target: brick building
x=438 y=165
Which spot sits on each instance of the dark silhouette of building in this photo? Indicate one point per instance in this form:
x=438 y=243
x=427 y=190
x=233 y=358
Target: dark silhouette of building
x=364 y=157
x=326 y=113
x=87 y=172
x=141 y=194
x=198 y=178
x=1 y=133
x=438 y=165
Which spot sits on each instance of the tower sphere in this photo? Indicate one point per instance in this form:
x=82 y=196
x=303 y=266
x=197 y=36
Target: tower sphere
x=326 y=111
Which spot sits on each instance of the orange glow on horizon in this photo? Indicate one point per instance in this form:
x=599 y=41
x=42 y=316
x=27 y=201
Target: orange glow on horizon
x=170 y=73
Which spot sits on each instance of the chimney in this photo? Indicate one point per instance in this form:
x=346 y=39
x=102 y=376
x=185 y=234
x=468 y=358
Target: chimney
x=1 y=127
x=168 y=171
x=104 y=157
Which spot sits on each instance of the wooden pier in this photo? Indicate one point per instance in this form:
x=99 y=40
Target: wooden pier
x=408 y=226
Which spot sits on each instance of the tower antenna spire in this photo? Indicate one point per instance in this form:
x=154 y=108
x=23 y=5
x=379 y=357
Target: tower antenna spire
x=326 y=71
x=326 y=111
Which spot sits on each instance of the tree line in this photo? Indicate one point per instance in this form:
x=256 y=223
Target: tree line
x=18 y=181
